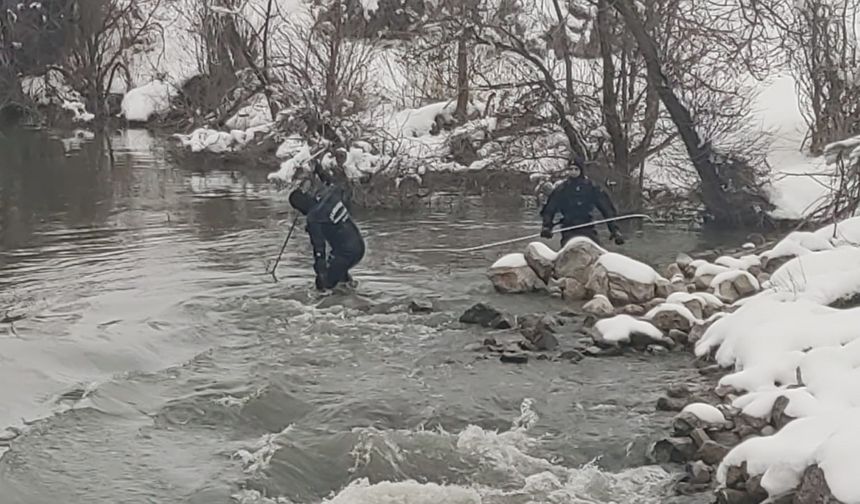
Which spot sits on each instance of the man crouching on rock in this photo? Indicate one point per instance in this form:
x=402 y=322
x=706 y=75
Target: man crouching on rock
x=329 y=222
x=576 y=198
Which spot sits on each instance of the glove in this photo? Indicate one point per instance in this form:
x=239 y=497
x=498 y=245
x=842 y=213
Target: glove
x=618 y=237
x=546 y=233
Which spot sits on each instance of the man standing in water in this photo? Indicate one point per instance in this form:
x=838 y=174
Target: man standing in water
x=576 y=198
x=329 y=222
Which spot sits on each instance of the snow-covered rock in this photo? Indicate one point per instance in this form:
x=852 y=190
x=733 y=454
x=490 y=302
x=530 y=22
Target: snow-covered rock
x=576 y=259
x=670 y=316
x=624 y=329
x=622 y=279
x=693 y=303
x=733 y=285
x=823 y=277
x=541 y=258
x=705 y=272
x=142 y=103
x=599 y=306
x=706 y=413
x=512 y=275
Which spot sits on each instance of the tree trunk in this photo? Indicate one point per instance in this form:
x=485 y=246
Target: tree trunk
x=462 y=76
x=700 y=153
x=610 y=103
x=334 y=58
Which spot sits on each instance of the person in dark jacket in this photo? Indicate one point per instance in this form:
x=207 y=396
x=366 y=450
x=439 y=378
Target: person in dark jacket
x=575 y=199
x=330 y=223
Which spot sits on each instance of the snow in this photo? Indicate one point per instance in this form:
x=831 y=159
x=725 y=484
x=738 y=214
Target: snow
x=510 y=261
x=289 y=167
x=677 y=308
x=705 y=413
x=141 y=103
x=621 y=327
x=743 y=263
x=707 y=269
x=628 y=268
x=731 y=276
x=253 y=115
x=822 y=277
x=709 y=299
x=576 y=241
x=543 y=250
x=79 y=111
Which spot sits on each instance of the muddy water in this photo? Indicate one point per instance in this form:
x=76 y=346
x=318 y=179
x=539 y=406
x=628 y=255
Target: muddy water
x=158 y=363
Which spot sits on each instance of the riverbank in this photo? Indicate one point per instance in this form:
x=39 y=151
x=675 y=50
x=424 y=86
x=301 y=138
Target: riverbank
x=773 y=327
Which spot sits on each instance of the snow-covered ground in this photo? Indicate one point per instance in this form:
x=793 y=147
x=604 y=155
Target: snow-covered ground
x=787 y=342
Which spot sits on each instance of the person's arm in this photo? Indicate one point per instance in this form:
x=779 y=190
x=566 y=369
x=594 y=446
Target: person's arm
x=318 y=243
x=604 y=204
x=321 y=173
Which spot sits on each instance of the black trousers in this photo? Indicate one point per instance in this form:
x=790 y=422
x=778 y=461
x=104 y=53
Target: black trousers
x=339 y=266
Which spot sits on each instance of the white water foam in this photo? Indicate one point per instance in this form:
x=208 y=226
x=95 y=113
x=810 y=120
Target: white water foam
x=253 y=462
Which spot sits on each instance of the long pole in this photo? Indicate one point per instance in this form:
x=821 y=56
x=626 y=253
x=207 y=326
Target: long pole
x=533 y=236
x=283 y=247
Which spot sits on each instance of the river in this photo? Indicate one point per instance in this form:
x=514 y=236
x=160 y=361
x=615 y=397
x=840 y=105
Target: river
x=158 y=362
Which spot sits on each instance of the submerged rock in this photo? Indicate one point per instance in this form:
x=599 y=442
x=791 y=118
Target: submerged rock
x=487 y=316
x=540 y=331
x=512 y=275
x=421 y=306
x=508 y=358
x=675 y=449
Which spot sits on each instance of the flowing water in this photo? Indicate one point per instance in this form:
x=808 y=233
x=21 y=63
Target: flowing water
x=158 y=363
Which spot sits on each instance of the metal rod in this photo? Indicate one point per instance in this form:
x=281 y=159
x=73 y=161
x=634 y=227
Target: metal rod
x=533 y=236
x=283 y=247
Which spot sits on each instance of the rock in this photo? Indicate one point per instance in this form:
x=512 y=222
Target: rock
x=514 y=358
x=421 y=306
x=675 y=449
x=725 y=438
x=664 y=288
x=711 y=452
x=734 y=285
x=813 y=488
x=674 y=269
x=667 y=317
x=762 y=278
x=683 y=261
x=768 y=430
x=596 y=351
x=576 y=258
x=696 y=332
x=487 y=316
x=737 y=476
x=656 y=349
x=619 y=288
x=634 y=310
x=573 y=290
x=541 y=259
x=778 y=418
x=679 y=337
x=689 y=488
x=572 y=356
x=599 y=307
x=788 y=498
x=671 y=403
x=754 y=488
x=539 y=331
x=650 y=305
x=555 y=287
x=678 y=391
x=512 y=275
x=711 y=370
x=732 y=496
x=642 y=341
x=697 y=472
x=700 y=437
x=687 y=421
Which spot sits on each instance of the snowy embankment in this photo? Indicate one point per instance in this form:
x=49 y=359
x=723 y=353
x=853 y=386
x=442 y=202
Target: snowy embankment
x=789 y=401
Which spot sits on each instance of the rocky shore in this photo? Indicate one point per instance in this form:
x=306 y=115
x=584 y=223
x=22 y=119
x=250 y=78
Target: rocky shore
x=777 y=358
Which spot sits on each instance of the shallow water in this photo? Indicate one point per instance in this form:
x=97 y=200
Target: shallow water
x=158 y=362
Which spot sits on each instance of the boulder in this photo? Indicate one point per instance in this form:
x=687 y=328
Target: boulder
x=711 y=452
x=664 y=288
x=420 y=306
x=541 y=259
x=667 y=317
x=573 y=290
x=624 y=330
x=599 y=307
x=489 y=317
x=705 y=274
x=814 y=489
x=675 y=449
x=512 y=275
x=576 y=259
x=514 y=358
x=673 y=269
x=683 y=261
x=778 y=417
x=698 y=472
x=691 y=302
x=732 y=496
x=733 y=285
x=623 y=280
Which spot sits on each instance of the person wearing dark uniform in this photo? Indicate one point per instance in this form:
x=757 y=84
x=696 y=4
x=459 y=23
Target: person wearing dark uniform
x=575 y=199
x=330 y=223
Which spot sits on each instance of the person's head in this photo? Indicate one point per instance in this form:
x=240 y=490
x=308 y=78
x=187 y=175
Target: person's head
x=301 y=201
x=575 y=167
